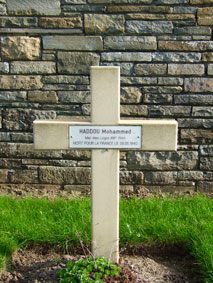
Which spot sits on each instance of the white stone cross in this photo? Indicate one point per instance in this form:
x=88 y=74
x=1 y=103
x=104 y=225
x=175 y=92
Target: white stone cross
x=153 y=135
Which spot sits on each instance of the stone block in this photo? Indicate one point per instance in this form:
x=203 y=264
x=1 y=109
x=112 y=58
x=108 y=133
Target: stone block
x=194 y=99
x=160 y=178
x=10 y=96
x=210 y=69
x=182 y=160
x=186 y=69
x=76 y=62
x=150 y=69
x=157 y=98
x=130 y=43
x=68 y=10
x=120 y=1
x=171 y=2
x=64 y=175
x=36 y=68
x=201 y=2
x=185 y=45
x=3 y=175
x=22 y=119
x=198 y=84
x=28 y=7
x=65 y=22
x=180 y=57
x=126 y=56
x=104 y=24
x=72 y=80
x=205 y=187
x=15 y=22
x=195 y=123
x=189 y=175
x=134 y=110
x=20 y=48
x=162 y=89
x=20 y=82
x=75 y=43
x=170 y=81
x=137 y=9
x=169 y=111
x=202 y=111
x=206 y=150
x=196 y=136
x=22 y=137
x=42 y=96
x=23 y=176
x=130 y=95
x=185 y=10
x=74 y=97
x=131 y=177
x=144 y=16
x=205 y=16
x=138 y=80
x=193 y=30
x=206 y=163
x=4 y=137
x=149 y=27
x=4 y=68
x=207 y=56
x=126 y=69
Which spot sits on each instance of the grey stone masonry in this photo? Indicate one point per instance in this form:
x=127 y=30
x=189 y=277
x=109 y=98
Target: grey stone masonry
x=165 y=52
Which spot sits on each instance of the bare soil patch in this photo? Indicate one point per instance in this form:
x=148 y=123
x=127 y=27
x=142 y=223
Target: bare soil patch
x=150 y=264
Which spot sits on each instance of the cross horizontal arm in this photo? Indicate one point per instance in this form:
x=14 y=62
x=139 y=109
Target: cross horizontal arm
x=157 y=135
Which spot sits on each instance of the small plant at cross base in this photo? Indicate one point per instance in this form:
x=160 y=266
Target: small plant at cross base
x=90 y=270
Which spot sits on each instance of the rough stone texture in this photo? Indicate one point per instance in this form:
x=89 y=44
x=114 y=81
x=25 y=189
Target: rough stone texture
x=134 y=110
x=10 y=96
x=196 y=136
x=195 y=123
x=162 y=160
x=185 y=45
x=130 y=43
x=176 y=57
x=126 y=56
x=137 y=9
x=20 y=82
x=150 y=69
x=68 y=22
x=206 y=150
x=157 y=98
x=194 y=99
x=20 y=48
x=149 y=27
x=28 y=7
x=4 y=68
x=158 y=178
x=22 y=119
x=74 y=97
x=198 y=84
x=76 y=62
x=129 y=177
x=33 y=68
x=104 y=24
x=64 y=175
x=130 y=95
x=61 y=42
x=42 y=96
x=200 y=2
x=3 y=175
x=169 y=111
x=186 y=69
x=202 y=111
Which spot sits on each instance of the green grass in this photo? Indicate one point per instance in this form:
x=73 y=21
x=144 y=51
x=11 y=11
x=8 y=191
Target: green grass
x=187 y=220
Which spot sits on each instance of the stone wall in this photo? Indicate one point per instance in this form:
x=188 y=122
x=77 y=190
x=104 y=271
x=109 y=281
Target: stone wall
x=165 y=51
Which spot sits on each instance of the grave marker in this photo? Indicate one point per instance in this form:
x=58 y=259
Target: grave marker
x=105 y=135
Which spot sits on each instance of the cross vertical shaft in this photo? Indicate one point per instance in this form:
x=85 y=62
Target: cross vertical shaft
x=105 y=84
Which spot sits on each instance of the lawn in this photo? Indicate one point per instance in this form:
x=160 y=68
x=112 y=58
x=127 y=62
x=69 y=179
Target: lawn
x=186 y=220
